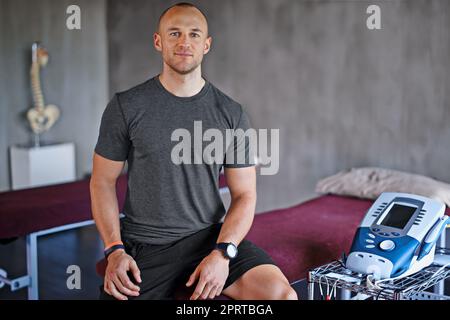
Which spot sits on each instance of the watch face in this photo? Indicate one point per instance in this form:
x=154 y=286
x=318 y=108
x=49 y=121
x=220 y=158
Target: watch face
x=231 y=251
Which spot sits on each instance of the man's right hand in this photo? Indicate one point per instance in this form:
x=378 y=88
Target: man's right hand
x=117 y=283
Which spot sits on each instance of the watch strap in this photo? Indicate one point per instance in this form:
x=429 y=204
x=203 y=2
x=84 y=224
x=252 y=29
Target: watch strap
x=113 y=248
x=222 y=246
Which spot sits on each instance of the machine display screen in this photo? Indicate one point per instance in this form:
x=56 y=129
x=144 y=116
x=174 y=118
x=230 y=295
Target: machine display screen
x=398 y=216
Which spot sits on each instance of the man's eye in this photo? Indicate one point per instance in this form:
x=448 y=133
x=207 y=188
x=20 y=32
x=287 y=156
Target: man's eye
x=195 y=35
x=174 y=34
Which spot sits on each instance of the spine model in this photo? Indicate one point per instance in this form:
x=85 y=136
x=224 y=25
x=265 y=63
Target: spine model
x=40 y=117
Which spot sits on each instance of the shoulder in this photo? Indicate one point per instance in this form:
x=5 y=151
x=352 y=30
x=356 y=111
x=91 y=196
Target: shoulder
x=134 y=101
x=140 y=91
x=226 y=103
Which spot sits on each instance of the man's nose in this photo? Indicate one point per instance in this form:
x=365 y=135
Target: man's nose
x=184 y=41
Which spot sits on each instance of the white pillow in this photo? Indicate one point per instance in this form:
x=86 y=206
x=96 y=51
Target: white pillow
x=369 y=183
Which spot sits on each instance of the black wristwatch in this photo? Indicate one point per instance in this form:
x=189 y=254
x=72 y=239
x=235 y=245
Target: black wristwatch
x=228 y=249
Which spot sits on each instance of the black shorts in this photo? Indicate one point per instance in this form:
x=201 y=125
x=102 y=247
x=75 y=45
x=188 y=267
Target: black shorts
x=164 y=268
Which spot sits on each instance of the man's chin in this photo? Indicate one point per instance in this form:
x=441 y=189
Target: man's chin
x=184 y=70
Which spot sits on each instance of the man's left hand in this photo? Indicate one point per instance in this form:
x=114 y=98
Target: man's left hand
x=212 y=273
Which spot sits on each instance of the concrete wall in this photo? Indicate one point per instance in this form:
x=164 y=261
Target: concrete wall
x=341 y=95
x=75 y=78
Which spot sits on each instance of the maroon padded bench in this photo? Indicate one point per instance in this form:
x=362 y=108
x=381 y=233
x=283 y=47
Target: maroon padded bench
x=45 y=210
x=298 y=238
x=41 y=211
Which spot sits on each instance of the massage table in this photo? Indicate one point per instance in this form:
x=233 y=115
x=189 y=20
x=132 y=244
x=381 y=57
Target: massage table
x=36 y=212
x=42 y=211
x=298 y=238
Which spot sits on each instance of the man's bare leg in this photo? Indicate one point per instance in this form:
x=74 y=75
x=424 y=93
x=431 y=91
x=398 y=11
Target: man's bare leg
x=264 y=282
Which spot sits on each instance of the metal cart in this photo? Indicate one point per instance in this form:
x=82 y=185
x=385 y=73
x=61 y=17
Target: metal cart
x=412 y=287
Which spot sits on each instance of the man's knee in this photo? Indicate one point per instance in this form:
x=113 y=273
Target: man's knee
x=283 y=292
x=290 y=294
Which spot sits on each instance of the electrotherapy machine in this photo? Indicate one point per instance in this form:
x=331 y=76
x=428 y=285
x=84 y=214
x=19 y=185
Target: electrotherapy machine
x=397 y=236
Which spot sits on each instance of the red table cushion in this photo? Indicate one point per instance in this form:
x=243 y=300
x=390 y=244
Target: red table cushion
x=35 y=209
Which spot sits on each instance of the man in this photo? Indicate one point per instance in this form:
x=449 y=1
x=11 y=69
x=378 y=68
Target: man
x=172 y=232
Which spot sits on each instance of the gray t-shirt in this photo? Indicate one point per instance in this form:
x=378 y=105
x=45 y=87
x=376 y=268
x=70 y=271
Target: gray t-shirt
x=167 y=201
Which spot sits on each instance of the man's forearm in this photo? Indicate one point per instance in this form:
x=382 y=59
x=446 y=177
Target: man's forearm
x=238 y=220
x=105 y=210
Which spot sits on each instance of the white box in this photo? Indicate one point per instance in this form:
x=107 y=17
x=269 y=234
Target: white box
x=39 y=166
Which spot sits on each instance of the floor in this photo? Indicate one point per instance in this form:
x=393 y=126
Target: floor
x=81 y=247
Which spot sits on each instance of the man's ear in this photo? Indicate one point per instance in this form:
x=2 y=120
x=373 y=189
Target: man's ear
x=157 y=41
x=207 y=45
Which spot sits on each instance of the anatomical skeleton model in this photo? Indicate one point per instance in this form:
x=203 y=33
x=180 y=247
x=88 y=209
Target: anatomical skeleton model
x=40 y=117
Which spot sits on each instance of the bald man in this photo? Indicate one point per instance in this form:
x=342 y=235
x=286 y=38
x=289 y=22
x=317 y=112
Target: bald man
x=176 y=230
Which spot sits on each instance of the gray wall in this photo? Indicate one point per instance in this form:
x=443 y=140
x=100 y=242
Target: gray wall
x=75 y=78
x=341 y=95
